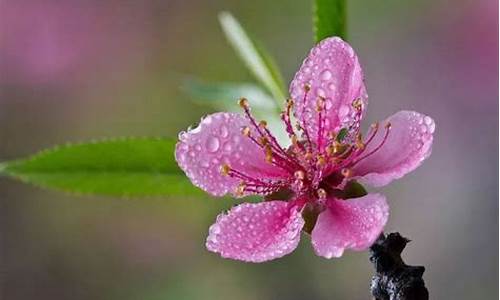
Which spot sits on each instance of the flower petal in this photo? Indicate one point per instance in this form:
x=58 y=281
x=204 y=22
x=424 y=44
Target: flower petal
x=409 y=142
x=256 y=232
x=332 y=71
x=349 y=224
x=218 y=140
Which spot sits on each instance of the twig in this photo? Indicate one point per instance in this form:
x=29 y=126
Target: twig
x=394 y=280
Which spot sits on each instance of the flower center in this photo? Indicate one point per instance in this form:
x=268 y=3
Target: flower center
x=315 y=165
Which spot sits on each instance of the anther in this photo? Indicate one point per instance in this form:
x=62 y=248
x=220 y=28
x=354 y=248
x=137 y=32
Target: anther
x=245 y=131
x=224 y=169
x=240 y=189
x=295 y=140
x=269 y=154
x=262 y=124
x=388 y=125
x=243 y=102
x=321 y=193
x=308 y=156
x=307 y=87
x=320 y=104
x=346 y=172
x=357 y=104
x=359 y=142
x=263 y=141
x=289 y=103
x=299 y=174
x=321 y=161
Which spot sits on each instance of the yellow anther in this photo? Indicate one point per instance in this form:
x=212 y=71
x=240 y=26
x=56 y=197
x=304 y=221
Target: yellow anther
x=289 y=103
x=346 y=172
x=308 y=156
x=295 y=140
x=269 y=154
x=262 y=124
x=299 y=174
x=374 y=125
x=243 y=102
x=357 y=104
x=320 y=104
x=307 y=87
x=263 y=141
x=359 y=142
x=321 y=161
x=224 y=169
x=240 y=189
x=245 y=131
x=388 y=125
x=321 y=193
x=330 y=149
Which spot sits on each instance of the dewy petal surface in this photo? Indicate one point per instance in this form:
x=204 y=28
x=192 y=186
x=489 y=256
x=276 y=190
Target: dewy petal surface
x=408 y=144
x=256 y=232
x=349 y=224
x=218 y=140
x=332 y=71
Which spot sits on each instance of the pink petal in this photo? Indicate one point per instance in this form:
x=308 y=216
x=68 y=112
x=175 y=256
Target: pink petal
x=349 y=224
x=333 y=72
x=218 y=140
x=256 y=232
x=409 y=142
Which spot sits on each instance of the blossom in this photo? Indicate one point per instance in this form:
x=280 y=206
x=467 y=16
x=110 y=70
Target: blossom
x=230 y=153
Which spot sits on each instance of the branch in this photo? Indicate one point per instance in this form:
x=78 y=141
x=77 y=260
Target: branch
x=394 y=280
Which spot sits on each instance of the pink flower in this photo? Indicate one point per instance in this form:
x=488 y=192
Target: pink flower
x=232 y=153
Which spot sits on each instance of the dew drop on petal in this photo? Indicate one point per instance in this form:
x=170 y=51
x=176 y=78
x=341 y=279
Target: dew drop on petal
x=212 y=144
x=326 y=75
x=224 y=132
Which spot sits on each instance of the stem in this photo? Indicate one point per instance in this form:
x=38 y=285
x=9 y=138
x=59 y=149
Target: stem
x=395 y=280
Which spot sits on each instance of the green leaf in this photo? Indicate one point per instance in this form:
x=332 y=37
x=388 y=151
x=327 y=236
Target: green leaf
x=330 y=19
x=226 y=95
x=261 y=64
x=126 y=167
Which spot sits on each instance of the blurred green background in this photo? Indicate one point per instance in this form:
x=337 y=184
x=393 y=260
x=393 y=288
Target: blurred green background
x=76 y=70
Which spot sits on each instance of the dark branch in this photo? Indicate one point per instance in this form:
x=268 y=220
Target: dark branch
x=394 y=280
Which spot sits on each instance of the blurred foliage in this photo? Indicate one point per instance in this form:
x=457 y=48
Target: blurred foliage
x=330 y=19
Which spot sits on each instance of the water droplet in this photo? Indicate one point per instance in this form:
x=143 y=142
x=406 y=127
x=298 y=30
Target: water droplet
x=326 y=75
x=224 y=131
x=343 y=111
x=320 y=92
x=228 y=147
x=212 y=144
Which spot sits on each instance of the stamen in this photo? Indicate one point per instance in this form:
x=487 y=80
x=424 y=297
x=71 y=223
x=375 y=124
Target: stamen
x=320 y=105
x=299 y=174
x=225 y=169
x=320 y=160
x=240 y=189
x=243 y=102
x=321 y=193
x=346 y=172
x=357 y=104
x=245 y=131
x=269 y=154
x=387 y=130
x=359 y=142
